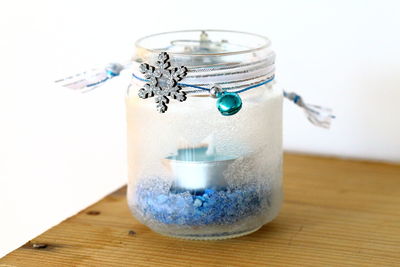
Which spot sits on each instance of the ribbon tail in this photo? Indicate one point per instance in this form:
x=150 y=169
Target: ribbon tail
x=317 y=115
x=89 y=80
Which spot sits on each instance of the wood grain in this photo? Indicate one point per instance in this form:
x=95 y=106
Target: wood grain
x=336 y=213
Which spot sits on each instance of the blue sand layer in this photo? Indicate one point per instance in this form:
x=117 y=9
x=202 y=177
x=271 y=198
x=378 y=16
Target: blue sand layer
x=157 y=201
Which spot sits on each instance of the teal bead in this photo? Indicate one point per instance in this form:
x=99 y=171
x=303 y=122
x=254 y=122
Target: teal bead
x=229 y=103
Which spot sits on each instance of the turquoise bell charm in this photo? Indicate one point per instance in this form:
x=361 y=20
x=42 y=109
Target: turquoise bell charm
x=229 y=103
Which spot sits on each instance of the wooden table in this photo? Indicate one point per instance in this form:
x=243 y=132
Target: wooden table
x=336 y=213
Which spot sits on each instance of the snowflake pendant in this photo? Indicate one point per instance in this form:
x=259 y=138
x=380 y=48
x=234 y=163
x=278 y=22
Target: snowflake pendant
x=163 y=82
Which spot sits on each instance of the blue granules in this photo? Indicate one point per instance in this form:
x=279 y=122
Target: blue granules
x=157 y=201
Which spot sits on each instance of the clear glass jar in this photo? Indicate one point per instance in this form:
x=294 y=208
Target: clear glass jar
x=193 y=172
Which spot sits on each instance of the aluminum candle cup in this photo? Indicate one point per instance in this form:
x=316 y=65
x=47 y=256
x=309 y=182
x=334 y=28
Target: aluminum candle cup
x=204 y=119
x=193 y=170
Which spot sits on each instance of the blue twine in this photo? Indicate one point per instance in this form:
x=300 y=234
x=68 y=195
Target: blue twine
x=97 y=83
x=207 y=89
x=110 y=74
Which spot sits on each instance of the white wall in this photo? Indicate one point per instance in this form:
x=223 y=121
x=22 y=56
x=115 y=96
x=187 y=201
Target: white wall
x=61 y=151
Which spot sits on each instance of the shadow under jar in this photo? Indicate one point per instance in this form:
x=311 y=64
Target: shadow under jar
x=197 y=171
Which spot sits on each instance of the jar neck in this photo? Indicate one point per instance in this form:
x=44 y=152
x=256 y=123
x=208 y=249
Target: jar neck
x=200 y=48
x=215 y=57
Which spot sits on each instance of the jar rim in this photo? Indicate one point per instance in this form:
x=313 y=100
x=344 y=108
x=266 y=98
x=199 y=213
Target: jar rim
x=264 y=42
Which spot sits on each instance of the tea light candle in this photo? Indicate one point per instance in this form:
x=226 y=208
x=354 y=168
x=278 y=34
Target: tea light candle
x=194 y=169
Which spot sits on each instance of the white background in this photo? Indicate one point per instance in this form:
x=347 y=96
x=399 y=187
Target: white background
x=61 y=151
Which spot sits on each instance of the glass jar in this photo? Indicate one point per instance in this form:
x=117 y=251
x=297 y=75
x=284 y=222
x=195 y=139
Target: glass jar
x=208 y=166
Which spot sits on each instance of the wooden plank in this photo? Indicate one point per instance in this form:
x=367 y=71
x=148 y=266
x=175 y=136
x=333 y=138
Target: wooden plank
x=336 y=213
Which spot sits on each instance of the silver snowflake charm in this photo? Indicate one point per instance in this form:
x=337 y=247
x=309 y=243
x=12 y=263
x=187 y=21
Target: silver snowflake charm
x=163 y=82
